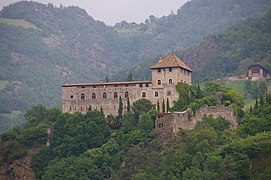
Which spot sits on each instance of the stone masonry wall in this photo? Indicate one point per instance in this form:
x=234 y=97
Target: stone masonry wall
x=169 y=124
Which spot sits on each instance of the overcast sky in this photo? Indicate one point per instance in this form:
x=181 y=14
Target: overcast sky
x=113 y=11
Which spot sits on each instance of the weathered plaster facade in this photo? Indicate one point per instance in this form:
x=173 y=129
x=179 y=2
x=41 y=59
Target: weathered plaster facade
x=165 y=75
x=169 y=124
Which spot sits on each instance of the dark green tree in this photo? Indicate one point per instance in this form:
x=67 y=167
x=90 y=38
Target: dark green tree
x=158 y=105
x=199 y=92
x=167 y=105
x=130 y=76
x=261 y=100
x=107 y=78
x=256 y=104
x=128 y=104
x=141 y=106
x=163 y=106
x=120 y=107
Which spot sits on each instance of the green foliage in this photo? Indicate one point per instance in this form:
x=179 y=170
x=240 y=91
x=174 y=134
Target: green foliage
x=120 y=110
x=255 y=88
x=72 y=168
x=141 y=106
x=145 y=122
x=218 y=124
x=11 y=150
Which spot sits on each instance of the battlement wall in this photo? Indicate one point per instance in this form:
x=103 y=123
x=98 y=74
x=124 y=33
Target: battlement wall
x=169 y=124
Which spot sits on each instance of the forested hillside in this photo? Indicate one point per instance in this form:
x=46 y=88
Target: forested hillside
x=50 y=46
x=90 y=145
x=223 y=54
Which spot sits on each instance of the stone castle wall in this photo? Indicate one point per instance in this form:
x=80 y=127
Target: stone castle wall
x=72 y=96
x=167 y=125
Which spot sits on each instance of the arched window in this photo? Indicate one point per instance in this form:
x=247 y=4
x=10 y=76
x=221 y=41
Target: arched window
x=93 y=96
x=170 y=81
x=159 y=82
x=156 y=94
x=104 y=95
x=144 y=94
x=82 y=96
x=115 y=95
x=126 y=94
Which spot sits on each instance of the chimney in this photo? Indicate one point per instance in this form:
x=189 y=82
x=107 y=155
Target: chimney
x=159 y=59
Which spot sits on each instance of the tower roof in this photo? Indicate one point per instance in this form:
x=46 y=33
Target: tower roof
x=170 y=61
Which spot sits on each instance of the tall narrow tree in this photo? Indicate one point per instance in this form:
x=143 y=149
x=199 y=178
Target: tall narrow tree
x=158 y=105
x=261 y=100
x=167 y=105
x=256 y=104
x=163 y=107
x=128 y=104
x=199 y=92
x=120 y=107
x=130 y=76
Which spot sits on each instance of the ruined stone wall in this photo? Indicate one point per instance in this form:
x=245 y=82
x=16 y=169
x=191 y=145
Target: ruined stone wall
x=169 y=124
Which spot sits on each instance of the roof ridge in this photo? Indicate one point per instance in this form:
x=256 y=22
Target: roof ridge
x=172 y=60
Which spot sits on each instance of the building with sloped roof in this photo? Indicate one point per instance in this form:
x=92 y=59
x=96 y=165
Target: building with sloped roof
x=166 y=73
x=257 y=71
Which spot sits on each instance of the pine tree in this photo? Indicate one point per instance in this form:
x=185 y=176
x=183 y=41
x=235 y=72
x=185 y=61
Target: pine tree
x=250 y=109
x=158 y=105
x=261 y=100
x=130 y=76
x=106 y=78
x=120 y=107
x=256 y=104
x=101 y=110
x=163 y=107
x=167 y=105
x=128 y=104
x=199 y=92
x=89 y=109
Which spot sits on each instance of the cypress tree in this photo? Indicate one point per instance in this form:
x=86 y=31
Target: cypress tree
x=269 y=99
x=163 y=107
x=261 y=100
x=158 y=105
x=130 y=76
x=101 y=110
x=199 y=92
x=256 y=104
x=120 y=107
x=106 y=78
x=128 y=104
x=167 y=105
x=250 y=109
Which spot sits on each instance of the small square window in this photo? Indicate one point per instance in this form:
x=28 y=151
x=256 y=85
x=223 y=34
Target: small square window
x=140 y=85
x=147 y=85
x=170 y=69
x=71 y=97
x=159 y=70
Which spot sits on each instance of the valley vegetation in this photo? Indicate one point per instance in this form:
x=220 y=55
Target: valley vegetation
x=124 y=147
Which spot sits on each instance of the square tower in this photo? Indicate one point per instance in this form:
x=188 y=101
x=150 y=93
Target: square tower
x=170 y=70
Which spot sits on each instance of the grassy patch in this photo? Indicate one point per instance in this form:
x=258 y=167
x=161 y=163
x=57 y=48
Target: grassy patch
x=3 y=84
x=18 y=22
x=238 y=86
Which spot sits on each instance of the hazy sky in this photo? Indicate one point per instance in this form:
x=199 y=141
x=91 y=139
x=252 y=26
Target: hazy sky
x=112 y=11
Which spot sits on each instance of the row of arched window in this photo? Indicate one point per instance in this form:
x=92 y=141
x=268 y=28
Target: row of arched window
x=159 y=82
x=93 y=96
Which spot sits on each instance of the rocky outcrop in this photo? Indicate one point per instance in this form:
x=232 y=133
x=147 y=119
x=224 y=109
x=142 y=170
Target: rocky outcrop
x=19 y=169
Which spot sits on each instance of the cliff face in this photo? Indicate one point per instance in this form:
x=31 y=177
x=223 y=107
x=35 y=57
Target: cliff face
x=19 y=169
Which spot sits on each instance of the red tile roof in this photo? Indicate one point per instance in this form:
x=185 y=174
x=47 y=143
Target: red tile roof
x=171 y=61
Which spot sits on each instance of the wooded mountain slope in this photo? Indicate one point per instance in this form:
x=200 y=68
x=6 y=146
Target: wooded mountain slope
x=222 y=54
x=67 y=45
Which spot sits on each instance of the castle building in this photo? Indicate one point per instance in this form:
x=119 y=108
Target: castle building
x=166 y=73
